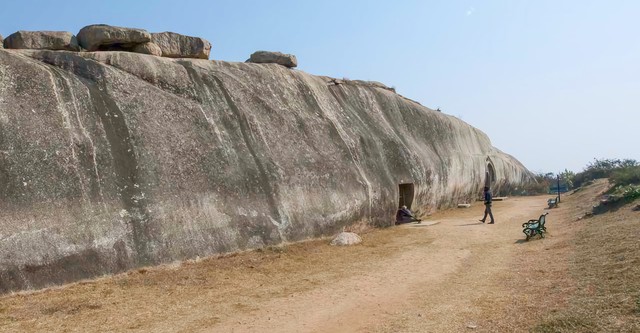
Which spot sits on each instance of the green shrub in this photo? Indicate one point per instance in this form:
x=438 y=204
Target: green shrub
x=626 y=176
x=540 y=185
x=603 y=168
x=627 y=193
x=631 y=193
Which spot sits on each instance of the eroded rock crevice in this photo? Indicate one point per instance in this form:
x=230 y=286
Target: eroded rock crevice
x=128 y=181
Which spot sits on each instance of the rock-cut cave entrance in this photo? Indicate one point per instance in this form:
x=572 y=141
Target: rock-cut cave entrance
x=490 y=176
x=405 y=192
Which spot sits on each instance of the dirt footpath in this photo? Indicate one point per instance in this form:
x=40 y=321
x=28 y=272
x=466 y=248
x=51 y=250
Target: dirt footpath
x=454 y=276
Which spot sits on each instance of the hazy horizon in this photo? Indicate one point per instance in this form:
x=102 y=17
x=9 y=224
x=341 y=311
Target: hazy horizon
x=554 y=84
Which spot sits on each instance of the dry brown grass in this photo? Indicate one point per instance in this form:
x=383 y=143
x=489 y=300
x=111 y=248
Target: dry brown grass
x=582 y=278
x=605 y=266
x=135 y=300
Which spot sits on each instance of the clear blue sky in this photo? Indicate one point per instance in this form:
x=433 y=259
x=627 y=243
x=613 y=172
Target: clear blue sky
x=553 y=83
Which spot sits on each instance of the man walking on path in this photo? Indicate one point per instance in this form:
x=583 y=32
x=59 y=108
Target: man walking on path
x=487 y=206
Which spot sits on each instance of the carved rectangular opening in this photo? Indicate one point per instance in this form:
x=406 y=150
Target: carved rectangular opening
x=405 y=192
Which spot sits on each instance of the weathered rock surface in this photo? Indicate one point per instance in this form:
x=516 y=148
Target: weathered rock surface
x=102 y=37
x=175 y=45
x=267 y=57
x=374 y=84
x=148 y=48
x=42 y=40
x=346 y=239
x=1 y=42
x=113 y=160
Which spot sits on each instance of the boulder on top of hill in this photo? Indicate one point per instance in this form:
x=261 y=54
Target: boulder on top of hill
x=267 y=57
x=101 y=37
x=174 y=45
x=148 y=48
x=42 y=40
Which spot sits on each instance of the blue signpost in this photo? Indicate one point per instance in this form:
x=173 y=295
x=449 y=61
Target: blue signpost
x=558 y=188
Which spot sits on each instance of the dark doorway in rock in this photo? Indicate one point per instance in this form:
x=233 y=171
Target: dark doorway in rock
x=405 y=192
x=490 y=176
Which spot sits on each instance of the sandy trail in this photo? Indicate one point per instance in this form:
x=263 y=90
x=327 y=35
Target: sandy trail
x=372 y=297
x=440 y=276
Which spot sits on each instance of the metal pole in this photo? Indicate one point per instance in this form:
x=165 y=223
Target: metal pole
x=558 y=188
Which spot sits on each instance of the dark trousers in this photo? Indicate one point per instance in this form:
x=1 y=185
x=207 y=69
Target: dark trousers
x=487 y=211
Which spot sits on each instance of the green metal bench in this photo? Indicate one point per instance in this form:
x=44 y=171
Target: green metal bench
x=553 y=202
x=535 y=227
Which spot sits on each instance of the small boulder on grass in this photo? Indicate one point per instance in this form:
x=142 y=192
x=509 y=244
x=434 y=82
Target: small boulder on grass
x=346 y=238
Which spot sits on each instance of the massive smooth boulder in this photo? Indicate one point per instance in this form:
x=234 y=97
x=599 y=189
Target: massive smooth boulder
x=115 y=160
x=100 y=37
x=268 y=57
x=175 y=45
x=42 y=40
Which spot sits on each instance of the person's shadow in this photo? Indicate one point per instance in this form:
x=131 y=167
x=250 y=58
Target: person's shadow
x=468 y=224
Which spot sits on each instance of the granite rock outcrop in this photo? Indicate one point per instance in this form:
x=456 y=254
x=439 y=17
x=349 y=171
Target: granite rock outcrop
x=102 y=37
x=268 y=57
x=42 y=40
x=116 y=160
x=148 y=48
x=174 y=45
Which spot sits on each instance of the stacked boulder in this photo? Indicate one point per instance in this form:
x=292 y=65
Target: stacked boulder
x=175 y=45
x=268 y=57
x=102 y=37
x=42 y=40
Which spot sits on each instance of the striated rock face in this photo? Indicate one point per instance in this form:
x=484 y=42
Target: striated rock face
x=267 y=57
x=114 y=160
x=175 y=45
x=42 y=40
x=1 y=42
x=102 y=37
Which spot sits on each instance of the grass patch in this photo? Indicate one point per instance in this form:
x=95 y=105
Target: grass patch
x=606 y=269
x=565 y=324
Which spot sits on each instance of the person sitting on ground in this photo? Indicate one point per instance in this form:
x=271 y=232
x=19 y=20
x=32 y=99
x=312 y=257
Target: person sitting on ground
x=404 y=215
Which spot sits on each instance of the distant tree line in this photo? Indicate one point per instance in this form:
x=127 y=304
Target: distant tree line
x=620 y=172
x=623 y=174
